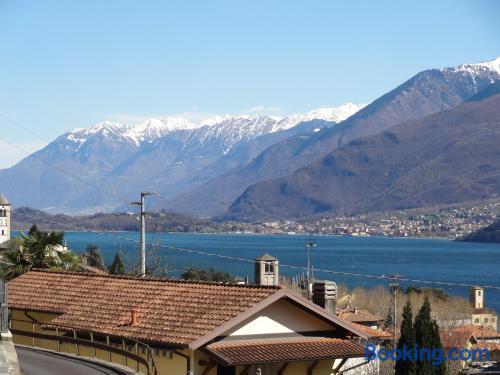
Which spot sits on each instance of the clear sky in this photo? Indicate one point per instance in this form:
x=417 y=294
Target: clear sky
x=67 y=64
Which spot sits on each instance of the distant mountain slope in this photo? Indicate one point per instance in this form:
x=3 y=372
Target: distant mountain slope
x=453 y=156
x=428 y=92
x=103 y=167
x=491 y=233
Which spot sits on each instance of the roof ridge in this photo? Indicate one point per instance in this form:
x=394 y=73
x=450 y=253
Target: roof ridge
x=157 y=279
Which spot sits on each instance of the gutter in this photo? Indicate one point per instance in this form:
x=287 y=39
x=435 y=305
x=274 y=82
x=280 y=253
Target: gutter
x=188 y=361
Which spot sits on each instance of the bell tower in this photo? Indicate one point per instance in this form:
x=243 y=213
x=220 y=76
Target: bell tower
x=266 y=270
x=4 y=219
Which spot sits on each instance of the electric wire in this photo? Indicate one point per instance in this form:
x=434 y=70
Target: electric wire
x=221 y=256
x=252 y=261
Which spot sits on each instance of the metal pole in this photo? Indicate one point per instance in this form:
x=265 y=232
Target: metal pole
x=394 y=293
x=309 y=273
x=143 y=236
x=143 y=231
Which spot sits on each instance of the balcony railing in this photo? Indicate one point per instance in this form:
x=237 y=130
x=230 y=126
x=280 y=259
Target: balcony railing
x=87 y=344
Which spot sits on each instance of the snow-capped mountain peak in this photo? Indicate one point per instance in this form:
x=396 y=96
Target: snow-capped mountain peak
x=154 y=128
x=230 y=128
x=334 y=114
x=104 y=129
x=474 y=69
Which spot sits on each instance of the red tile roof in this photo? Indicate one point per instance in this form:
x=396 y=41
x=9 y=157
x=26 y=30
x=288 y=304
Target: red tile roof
x=371 y=332
x=456 y=339
x=171 y=312
x=174 y=312
x=357 y=316
x=282 y=350
x=477 y=331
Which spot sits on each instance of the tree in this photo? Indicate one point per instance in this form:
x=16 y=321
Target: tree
x=198 y=274
x=39 y=249
x=117 y=267
x=407 y=338
x=427 y=337
x=94 y=257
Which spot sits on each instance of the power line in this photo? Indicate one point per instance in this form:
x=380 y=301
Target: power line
x=8 y=119
x=246 y=260
x=64 y=172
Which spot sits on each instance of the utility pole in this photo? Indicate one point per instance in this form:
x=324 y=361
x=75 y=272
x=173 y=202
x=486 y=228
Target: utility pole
x=309 y=245
x=394 y=286
x=143 y=231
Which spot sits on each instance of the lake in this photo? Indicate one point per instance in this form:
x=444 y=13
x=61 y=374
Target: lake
x=429 y=259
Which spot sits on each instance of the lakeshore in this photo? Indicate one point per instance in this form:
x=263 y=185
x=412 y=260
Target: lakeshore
x=415 y=258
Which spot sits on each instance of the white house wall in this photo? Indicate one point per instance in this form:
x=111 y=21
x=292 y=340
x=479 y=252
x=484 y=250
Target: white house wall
x=282 y=317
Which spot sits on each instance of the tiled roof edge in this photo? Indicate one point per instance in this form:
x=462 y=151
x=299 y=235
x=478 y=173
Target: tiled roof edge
x=147 y=278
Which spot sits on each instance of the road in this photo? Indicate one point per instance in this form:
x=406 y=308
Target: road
x=38 y=362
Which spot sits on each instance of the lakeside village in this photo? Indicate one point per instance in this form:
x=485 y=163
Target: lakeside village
x=210 y=323
x=447 y=222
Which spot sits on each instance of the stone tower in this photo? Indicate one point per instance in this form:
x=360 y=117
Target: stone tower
x=266 y=270
x=477 y=298
x=4 y=219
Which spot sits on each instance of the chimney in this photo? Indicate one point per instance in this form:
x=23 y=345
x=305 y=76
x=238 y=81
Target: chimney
x=325 y=295
x=134 y=317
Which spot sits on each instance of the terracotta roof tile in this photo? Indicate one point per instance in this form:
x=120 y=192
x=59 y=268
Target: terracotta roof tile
x=280 y=350
x=355 y=315
x=477 y=331
x=371 y=332
x=174 y=312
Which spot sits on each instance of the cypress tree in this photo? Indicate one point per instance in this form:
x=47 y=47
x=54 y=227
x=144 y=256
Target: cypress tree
x=439 y=369
x=117 y=267
x=407 y=338
x=94 y=257
x=427 y=338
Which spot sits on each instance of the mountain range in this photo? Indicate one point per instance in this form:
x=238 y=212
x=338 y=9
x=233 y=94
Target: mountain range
x=446 y=158
x=103 y=167
x=256 y=167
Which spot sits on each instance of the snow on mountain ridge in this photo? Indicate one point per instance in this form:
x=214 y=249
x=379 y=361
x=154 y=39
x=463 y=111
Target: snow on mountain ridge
x=474 y=69
x=232 y=128
x=156 y=128
x=335 y=114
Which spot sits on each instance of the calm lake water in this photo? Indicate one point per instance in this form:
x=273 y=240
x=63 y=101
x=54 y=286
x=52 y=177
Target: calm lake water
x=430 y=259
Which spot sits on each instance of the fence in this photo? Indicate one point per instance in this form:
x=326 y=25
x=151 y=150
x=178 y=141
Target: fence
x=88 y=344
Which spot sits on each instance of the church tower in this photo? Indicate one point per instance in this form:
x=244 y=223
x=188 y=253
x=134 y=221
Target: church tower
x=266 y=270
x=4 y=219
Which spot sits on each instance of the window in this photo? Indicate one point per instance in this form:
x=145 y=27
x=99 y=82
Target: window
x=493 y=320
x=479 y=293
x=486 y=320
x=477 y=320
x=269 y=268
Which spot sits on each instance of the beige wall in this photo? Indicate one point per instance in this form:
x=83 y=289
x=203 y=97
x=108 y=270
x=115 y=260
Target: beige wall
x=322 y=368
x=280 y=317
x=485 y=320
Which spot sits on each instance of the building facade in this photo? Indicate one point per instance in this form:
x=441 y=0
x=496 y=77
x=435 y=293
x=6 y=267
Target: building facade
x=4 y=220
x=481 y=316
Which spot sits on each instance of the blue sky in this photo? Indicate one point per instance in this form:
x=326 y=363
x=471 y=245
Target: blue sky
x=67 y=64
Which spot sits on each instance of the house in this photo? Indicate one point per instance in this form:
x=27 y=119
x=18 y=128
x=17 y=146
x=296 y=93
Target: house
x=360 y=316
x=480 y=315
x=185 y=327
